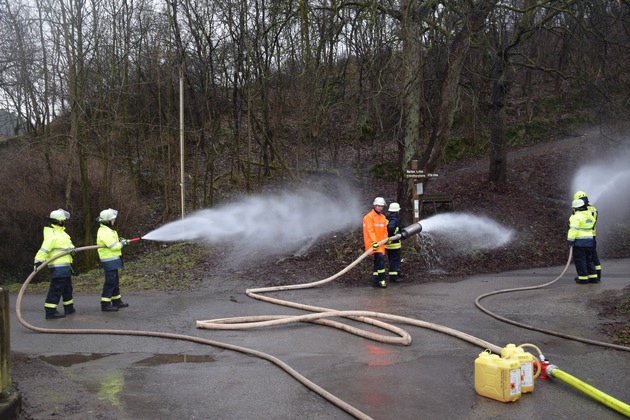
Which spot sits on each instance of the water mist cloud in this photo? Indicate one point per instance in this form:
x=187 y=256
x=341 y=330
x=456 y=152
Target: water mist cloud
x=607 y=184
x=267 y=224
x=466 y=232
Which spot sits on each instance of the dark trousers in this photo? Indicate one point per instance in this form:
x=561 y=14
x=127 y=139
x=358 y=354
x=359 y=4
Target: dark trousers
x=584 y=264
x=379 y=267
x=394 y=256
x=59 y=288
x=111 y=291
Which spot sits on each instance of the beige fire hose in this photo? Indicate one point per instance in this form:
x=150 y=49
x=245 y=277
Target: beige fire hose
x=361 y=316
x=295 y=374
x=531 y=327
x=263 y=321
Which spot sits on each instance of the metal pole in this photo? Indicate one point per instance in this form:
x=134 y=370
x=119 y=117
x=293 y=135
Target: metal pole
x=5 y=341
x=181 y=135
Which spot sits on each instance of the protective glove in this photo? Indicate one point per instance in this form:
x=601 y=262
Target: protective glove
x=570 y=243
x=73 y=252
x=36 y=265
x=125 y=242
x=375 y=246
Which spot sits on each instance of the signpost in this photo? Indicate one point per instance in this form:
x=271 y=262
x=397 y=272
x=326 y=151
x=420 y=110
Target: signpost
x=413 y=175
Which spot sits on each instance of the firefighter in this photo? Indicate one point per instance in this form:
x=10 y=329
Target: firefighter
x=111 y=260
x=393 y=248
x=598 y=266
x=580 y=237
x=57 y=241
x=374 y=231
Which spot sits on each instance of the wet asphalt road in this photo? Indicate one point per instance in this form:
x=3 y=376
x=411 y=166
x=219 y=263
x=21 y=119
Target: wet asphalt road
x=156 y=378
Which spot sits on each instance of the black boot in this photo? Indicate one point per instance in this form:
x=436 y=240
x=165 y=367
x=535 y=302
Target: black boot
x=54 y=315
x=108 y=307
x=118 y=303
x=69 y=309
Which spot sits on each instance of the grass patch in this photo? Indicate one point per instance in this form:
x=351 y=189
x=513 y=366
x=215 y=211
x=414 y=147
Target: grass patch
x=173 y=267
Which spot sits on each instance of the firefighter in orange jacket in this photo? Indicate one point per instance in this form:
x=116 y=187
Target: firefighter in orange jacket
x=374 y=231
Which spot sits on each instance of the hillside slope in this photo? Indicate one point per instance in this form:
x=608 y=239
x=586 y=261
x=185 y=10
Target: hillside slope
x=535 y=205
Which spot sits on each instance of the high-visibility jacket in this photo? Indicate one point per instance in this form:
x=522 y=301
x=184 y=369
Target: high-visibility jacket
x=112 y=250
x=581 y=225
x=374 y=230
x=56 y=241
x=393 y=227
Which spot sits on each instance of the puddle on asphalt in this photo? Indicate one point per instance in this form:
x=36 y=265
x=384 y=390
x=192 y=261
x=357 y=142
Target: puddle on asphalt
x=162 y=359
x=67 y=360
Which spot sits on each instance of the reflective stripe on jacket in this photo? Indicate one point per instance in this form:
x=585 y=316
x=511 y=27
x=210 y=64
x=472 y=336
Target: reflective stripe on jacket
x=374 y=230
x=110 y=254
x=393 y=227
x=581 y=225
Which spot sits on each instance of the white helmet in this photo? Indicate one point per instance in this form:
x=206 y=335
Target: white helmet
x=577 y=204
x=379 y=201
x=59 y=215
x=394 y=207
x=107 y=215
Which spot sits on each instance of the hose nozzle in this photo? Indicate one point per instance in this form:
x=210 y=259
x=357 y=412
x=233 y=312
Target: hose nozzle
x=411 y=230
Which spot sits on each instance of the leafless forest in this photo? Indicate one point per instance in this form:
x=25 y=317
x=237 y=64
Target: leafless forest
x=275 y=89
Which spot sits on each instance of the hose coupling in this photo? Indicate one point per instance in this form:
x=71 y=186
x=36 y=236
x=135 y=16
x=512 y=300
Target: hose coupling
x=549 y=369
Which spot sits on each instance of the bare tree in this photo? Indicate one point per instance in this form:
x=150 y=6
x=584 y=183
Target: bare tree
x=506 y=39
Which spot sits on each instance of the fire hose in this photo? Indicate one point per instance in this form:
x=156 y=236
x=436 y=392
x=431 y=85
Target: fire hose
x=533 y=328
x=264 y=321
x=366 y=317
x=292 y=372
x=320 y=317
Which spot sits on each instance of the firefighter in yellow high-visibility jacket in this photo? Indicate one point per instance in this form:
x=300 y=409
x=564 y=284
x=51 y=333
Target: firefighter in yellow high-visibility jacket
x=580 y=237
x=110 y=256
x=581 y=195
x=393 y=248
x=57 y=241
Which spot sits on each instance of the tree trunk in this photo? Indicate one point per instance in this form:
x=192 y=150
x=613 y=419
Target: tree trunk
x=412 y=92
x=449 y=96
x=498 y=158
